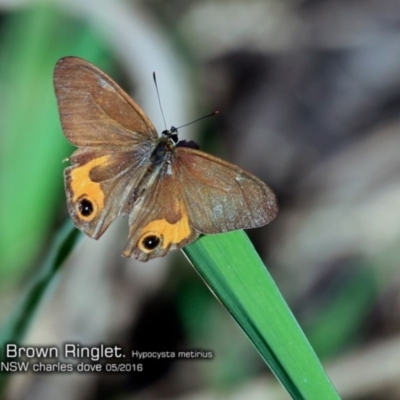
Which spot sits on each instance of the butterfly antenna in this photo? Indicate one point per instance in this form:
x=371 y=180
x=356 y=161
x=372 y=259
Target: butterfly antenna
x=158 y=97
x=198 y=119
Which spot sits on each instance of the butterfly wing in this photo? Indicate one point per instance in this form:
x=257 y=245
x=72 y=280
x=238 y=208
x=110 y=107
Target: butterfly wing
x=115 y=140
x=197 y=193
x=94 y=110
x=221 y=196
x=159 y=221
x=100 y=186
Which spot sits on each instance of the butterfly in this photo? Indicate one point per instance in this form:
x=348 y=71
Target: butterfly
x=170 y=192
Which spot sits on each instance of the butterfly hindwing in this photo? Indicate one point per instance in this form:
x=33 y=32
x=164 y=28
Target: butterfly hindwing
x=101 y=185
x=159 y=221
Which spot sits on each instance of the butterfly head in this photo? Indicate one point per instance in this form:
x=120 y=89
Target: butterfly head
x=171 y=134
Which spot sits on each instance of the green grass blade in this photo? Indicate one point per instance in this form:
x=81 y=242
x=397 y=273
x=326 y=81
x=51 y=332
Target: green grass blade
x=235 y=273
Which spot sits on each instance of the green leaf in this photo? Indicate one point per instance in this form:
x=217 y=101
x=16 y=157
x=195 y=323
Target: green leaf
x=234 y=272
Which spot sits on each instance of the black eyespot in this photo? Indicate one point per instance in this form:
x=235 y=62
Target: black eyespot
x=151 y=242
x=85 y=207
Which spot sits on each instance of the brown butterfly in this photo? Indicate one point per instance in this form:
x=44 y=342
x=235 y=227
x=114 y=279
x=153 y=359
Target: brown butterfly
x=170 y=191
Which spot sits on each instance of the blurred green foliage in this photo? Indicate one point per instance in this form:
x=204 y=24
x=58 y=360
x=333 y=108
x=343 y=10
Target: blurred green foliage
x=32 y=146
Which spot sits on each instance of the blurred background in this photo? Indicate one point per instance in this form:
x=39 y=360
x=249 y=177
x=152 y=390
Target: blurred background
x=309 y=100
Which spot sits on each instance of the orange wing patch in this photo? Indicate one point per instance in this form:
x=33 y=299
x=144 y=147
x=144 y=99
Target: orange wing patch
x=170 y=233
x=84 y=188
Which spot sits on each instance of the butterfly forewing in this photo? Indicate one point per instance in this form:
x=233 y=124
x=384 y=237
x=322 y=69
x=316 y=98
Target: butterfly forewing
x=94 y=110
x=220 y=196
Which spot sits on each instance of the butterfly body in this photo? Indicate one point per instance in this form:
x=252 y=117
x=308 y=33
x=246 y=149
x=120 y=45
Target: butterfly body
x=171 y=191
